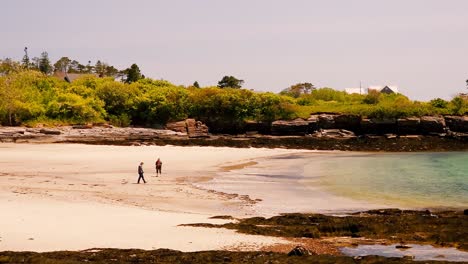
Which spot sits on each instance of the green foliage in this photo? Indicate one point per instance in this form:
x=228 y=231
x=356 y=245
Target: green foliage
x=230 y=82
x=298 y=89
x=133 y=74
x=439 y=103
x=63 y=64
x=373 y=97
x=459 y=105
x=44 y=63
x=196 y=85
x=31 y=97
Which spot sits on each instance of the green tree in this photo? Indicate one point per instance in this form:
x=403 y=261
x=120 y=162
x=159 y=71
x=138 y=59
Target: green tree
x=298 y=89
x=25 y=61
x=44 y=63
x=230 y=82
x=111 y=71
x=439 y=103
x=63 y=64
x=133 y=74
x=196 y=85
x=100 y=68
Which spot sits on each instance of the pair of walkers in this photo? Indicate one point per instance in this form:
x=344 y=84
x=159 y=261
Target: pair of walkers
x=158 y=165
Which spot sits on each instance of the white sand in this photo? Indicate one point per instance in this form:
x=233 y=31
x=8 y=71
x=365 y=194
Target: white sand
x=75 y=197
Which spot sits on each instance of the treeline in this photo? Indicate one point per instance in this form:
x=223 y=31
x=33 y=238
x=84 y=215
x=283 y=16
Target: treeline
x=28 y=97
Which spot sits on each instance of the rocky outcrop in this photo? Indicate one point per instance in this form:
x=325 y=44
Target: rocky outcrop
x=179 y=126
x=298 y=127
x=253 y=127
x=334 y=133
x=300 y=251
x=379 y=126
x=457 y=123
x=409 y=126
x=196 y=129
x=432 y=124
x=191 y=127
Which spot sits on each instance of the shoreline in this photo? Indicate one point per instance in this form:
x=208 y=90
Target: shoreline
x=163 y=137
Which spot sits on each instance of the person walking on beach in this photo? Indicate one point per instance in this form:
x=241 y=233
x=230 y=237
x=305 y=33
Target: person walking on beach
x=140 y=173
x=158 y=167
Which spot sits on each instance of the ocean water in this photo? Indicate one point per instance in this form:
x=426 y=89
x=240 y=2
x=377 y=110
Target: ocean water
x=414 y=180
x=342 y=182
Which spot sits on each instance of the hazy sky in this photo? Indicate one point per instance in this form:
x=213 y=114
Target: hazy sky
x=419 y=45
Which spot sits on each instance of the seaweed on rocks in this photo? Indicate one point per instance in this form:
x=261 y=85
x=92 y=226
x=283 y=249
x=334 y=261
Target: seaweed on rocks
x=448 y=228
x=127 y=256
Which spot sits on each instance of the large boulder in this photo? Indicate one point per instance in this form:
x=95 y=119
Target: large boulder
x=409 y=126
x=379 y=126
x=196 y=129
x=326 y=121
x=313 y=121
x=179 y=126
x=193 y=128
x=256 y=126
x=348 y=122
x=457 y=123
x=432 y=124
x=300 y=251
x=295 y=127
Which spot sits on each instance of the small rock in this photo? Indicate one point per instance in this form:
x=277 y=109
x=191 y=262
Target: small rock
x=402 y=246
x=300 y=251
x=50 y=132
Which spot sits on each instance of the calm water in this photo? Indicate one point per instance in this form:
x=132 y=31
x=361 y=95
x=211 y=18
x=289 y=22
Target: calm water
x=401 y=179
x=337 y=182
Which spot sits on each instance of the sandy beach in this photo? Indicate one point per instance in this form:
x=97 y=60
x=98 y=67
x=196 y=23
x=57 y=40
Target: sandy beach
x=75 y=197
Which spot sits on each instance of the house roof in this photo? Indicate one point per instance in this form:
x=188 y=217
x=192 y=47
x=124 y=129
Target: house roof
x=381 y=87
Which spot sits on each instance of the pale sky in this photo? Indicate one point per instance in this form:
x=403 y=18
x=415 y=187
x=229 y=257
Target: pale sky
x=419 y=45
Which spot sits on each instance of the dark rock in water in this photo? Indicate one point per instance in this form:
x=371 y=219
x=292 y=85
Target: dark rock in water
x=457 y=123
x=50 y=132
x=295 y=127
x=300 y=251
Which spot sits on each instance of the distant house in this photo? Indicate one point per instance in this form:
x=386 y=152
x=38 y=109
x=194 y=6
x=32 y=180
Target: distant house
x=387 y=89
x=70 y=77
x=356 y=90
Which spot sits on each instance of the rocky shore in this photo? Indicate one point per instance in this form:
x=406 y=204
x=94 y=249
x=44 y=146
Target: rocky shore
x=320 y=132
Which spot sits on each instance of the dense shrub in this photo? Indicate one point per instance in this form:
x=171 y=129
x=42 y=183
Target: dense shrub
x=32 y=97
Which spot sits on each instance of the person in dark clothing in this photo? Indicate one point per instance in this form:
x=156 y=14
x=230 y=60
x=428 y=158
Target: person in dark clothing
x=140 y=173
x=158 y=167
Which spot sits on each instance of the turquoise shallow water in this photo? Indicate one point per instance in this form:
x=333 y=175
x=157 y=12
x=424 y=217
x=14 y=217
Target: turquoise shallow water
x=430 y=180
